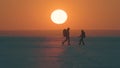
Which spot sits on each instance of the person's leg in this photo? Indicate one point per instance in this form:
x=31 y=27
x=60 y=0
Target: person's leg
x=80 y=42
x=83 y=42
x=64 y=41
x=68 y=41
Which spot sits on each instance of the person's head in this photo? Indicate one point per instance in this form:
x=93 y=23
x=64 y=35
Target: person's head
x=68 y=28
x=82 y=30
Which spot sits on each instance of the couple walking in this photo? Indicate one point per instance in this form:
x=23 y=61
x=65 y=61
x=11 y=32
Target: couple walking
x=66 y=34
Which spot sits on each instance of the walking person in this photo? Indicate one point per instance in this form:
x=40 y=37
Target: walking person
x=82 y=37
x=66 y=34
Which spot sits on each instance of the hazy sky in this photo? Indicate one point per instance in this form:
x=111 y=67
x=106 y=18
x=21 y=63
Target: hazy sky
x=82 y=14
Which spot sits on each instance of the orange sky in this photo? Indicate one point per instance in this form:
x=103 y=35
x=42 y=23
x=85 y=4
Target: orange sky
x=82 y=14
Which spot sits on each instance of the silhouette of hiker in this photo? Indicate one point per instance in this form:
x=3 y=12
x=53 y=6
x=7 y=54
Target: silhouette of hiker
x=66 y=34
x=82 y=37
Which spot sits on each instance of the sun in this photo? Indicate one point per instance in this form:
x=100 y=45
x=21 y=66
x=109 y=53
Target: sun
x=59 y=16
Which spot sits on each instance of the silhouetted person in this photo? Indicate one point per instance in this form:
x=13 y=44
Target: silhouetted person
x=82 y=37
x=66 y=34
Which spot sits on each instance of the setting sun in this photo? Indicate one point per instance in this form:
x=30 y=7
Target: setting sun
x=59 y=16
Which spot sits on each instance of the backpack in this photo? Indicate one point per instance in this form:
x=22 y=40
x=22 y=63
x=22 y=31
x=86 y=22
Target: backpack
x=64 y=32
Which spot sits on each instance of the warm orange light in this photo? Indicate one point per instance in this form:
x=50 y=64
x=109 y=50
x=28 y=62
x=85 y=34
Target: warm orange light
x=59 y=16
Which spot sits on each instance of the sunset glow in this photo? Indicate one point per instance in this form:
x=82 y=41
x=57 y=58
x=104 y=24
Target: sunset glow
x=42 y=15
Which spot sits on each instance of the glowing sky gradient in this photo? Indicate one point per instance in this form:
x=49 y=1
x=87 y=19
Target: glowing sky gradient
x=82 y=14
